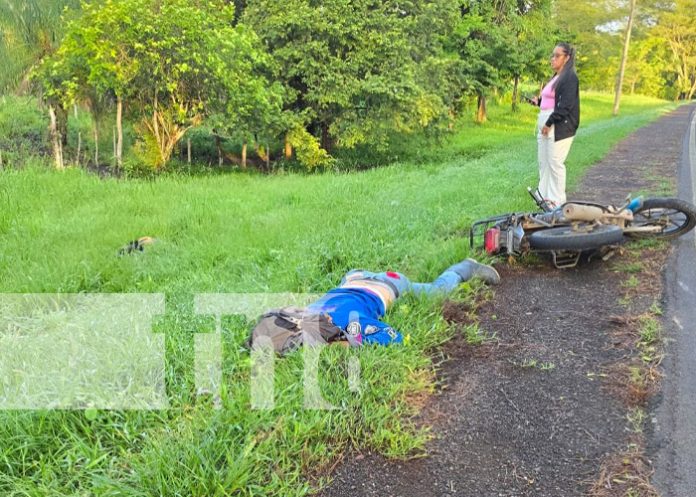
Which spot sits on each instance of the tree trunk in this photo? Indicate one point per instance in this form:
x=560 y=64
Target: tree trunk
x=79 y=148
x=166 y=133
x=156 y=133
x=188 y=150
x=114 y=137
x=288 y=148
x=119 y=132
x=268 y=156
x=62 y=125
x=244 y=155
x=326 y=142
x=515 y=94
x=75 y=110
x=218 y=144
x=96 y=144
x=481 y=114
x=624 y=57
x=55 y=139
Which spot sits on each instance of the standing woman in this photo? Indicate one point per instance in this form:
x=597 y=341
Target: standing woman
x=559 y=118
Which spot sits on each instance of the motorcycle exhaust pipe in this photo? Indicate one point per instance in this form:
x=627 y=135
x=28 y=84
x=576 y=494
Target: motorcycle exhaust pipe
x=578 y=212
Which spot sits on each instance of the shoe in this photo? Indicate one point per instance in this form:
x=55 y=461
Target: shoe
x=485 y=272
x=470 y=268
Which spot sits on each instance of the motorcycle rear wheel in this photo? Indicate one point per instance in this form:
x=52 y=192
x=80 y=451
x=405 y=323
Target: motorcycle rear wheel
x=675 y=216
x=566 y=238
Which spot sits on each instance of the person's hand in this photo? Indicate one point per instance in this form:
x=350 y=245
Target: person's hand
x=531 y=100
x=545 y=131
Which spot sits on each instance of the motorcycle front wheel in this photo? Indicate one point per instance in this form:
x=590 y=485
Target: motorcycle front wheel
x=673 y=216
x=567 y=238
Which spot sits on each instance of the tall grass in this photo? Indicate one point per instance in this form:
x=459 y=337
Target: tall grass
x=246 y=233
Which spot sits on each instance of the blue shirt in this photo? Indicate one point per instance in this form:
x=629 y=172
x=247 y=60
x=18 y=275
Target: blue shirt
x=357 y=312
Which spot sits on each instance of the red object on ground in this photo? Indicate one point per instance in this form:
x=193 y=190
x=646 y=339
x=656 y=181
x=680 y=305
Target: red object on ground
x=394 y=275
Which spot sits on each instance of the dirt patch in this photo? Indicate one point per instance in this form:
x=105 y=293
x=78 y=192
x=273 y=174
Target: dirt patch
x=536 y=413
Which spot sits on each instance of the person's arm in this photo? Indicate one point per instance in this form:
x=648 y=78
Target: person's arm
x=566 y=100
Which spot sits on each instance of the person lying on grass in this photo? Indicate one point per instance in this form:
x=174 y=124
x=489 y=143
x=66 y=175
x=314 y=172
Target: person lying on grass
x=351 y=313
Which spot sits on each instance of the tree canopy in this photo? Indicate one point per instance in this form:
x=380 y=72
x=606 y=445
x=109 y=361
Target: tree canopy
x=173 y=63
x=316 y=77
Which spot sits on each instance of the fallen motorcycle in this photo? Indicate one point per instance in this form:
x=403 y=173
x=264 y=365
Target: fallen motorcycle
x=574 y=228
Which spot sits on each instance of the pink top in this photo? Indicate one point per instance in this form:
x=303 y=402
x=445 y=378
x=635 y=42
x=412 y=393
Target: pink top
x=548 y=95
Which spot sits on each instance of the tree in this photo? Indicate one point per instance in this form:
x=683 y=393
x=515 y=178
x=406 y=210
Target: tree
x=593 y=25
x=54 y=77
x=97 y=57
x=533 y=40
x=482 y=42
x=355 y=71
x=599 y=28
x=253 y=111
x=678 y=28
x=648 y=68
x=177 y=62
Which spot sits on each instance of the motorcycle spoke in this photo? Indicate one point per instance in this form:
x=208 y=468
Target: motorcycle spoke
x=663 y=217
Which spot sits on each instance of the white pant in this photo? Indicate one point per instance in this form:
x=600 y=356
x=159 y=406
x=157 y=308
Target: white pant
x=552 y=156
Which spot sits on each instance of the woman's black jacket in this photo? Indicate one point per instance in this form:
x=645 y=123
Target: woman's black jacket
x=566 y=112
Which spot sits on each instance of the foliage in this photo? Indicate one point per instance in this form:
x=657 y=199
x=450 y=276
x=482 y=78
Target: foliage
x=175 y=63
x=29 y=30
x=678 y=28
x=662 y=53
x=647 y=71
x=595 y=28
x=309 y=152
x=477 y=41
x=356 y=71
x=498 y=42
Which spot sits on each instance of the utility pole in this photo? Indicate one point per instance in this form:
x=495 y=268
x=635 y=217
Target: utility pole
x=624 y=56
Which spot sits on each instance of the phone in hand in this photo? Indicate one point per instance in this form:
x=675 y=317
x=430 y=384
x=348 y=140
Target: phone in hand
x=530 y=100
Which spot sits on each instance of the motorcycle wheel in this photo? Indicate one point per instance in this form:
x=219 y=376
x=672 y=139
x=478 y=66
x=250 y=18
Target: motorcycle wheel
x=675 y=216
x=565 y=238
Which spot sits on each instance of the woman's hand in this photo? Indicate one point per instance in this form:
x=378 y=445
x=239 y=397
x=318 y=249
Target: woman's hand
x=545 y=130
x=531 y=100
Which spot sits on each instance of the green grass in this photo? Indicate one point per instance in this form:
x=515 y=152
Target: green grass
x=631 y=282
x=247 y=233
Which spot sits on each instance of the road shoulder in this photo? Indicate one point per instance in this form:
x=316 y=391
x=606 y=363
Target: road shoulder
x=673 y=436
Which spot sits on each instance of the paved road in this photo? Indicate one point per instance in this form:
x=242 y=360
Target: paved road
x=674 y=422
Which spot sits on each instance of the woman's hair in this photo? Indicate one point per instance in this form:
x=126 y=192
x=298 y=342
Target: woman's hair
x=569 y=67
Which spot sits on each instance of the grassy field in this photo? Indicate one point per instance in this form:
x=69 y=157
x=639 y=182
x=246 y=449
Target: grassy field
x=59 y=232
